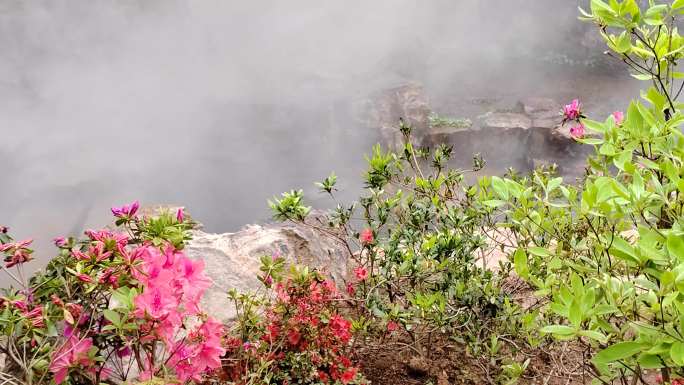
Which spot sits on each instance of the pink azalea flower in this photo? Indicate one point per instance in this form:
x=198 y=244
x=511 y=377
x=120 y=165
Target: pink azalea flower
x=366 y=237
x=392 y=326
x=60 y=241
x=577 y=131
x=361 y=273
x=201 y=353
x=180 y=215
x=126 y=211
x=17 y=253
x=84 y=278
x=619 y=117
x=572 y=110
x=20 y=304
x=4 y=229
x=35 y=316
x=73 y=353
x=155 y=303
x=109 y=238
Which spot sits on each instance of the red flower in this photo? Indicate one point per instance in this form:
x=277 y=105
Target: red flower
x=273 y=331
x=366 y=237
x=340 y=327
x=361 y=273
x=349 y=375
x=392 y=326
x=56 y=300
x=323 y=376
x=293 y=336
x=351 y=290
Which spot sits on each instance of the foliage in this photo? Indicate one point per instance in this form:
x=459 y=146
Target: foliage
x=416 y=239
x=436 y=120
x=608 y=254
x=117 y=305
x=296 y=334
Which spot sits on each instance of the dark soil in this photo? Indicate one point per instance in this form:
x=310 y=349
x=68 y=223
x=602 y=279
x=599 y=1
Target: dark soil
x=393 y=364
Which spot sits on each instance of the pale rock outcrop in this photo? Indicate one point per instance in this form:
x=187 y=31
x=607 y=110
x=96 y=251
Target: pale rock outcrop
x=232 y=260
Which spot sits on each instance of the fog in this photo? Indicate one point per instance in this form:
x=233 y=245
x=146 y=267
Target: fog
x=219 y=105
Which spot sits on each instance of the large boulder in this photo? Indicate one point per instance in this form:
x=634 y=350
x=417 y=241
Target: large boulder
x=232 y=259
x=383 y=110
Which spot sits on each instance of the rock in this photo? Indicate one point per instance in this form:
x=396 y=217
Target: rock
x=407 y=101
x=540 y=108
x=506 y=121
x=232 y=259
x=418 y=365
x=544 y=112
x=561 y=133
x=459 y=137
x=443 y=378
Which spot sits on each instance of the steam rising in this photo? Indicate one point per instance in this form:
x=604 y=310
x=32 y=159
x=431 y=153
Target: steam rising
x=218 y=105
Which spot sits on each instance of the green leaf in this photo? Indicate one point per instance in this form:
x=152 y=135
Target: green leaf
x=594 y=335
x=598 y=5
x=539 y=251
x=677 y=353
x=591 y=141
x=575 y=314
x=520 y=261
x=112 y=316
x=677 y=4
x=654 y=15
x=642 y=76
x=650 y=361
x=494 y=203
x=499 y=187
x=618 y=351
x=560 y=330
x=593 y=125
x=675 y=246
x=623 y=43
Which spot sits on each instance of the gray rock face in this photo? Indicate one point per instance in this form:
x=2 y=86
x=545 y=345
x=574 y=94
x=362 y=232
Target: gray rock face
x=232 y=259
x=506 y=121
x=407 y=101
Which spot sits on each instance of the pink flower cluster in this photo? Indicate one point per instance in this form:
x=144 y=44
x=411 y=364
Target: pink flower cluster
x=619 y=117
x=366 y=237
x=16 y=253
x=126 y=211
x=173 y=286
x=572 y=113
x=572 y=110
x=73 y=353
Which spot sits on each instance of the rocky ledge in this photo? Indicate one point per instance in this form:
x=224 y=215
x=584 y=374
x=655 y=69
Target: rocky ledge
x=232 y=260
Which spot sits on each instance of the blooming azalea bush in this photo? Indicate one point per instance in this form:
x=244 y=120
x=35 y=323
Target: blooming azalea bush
x=296 y=333
x=607 y=255
x=119 y=305
x=417 y=241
